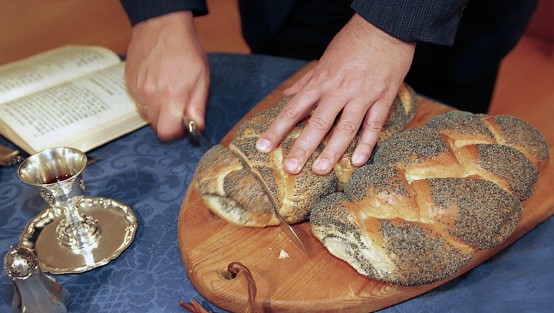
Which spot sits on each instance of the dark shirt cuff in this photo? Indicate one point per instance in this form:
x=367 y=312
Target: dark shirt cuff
x=140 y=10
x=414 y=21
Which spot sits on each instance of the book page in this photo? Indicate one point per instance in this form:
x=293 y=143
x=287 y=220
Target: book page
x=71 y=111
x=50 y=68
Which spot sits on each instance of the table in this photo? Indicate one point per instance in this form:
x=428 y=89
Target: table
x=152 y=177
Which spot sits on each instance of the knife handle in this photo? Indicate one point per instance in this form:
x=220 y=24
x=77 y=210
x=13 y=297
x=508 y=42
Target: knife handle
x=190 y=125
x=198 y=137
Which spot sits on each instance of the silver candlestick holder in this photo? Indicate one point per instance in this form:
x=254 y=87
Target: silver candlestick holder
x=75 y=233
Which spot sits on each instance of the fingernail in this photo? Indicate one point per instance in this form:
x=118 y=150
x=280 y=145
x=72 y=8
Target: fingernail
x=291 y=165
x=321 y=165
x=263 y=145
x=358 y=159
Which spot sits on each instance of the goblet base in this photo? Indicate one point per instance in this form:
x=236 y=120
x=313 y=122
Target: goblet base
x=118 y=225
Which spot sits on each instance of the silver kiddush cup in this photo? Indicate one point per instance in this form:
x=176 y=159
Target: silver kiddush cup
x=34 y=291
x=58 y=174
x=76 y=233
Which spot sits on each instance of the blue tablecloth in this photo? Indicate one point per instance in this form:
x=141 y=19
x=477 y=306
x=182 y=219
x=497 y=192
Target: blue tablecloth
x=152 y=177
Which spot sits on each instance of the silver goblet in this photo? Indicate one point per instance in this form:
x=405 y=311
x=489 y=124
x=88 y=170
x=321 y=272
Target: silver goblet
x=76 y=233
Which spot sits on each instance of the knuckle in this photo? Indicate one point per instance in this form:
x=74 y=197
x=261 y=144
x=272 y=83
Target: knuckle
x=271 y=135
x=381 y=88
x=331 y=154
x=289 y=112
x=300 y=152
x=149 y=89
x=365 y=145
x=319 y=123
x=321 y=75
x=374 y=126
x=348 y=127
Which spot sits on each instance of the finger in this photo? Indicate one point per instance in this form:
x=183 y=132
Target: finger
x=152 y=113
x=196 y=109
x=144 y=90
x=299 y=84
x=313 y=133
x=131 y=84
x=371 y=129
x=295 y=110
x=343 y=133
x=169 y=121
x=142 y=110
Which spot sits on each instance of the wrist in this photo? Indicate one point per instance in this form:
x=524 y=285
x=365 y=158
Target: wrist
x=174 y=20
x=365 y=29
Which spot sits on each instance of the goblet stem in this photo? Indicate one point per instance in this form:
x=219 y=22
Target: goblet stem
x=77 y=231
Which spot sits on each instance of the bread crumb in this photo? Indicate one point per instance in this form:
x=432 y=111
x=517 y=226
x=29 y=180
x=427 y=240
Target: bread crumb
x=283 y=254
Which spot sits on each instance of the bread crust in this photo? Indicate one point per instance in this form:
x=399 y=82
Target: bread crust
x=433 y=197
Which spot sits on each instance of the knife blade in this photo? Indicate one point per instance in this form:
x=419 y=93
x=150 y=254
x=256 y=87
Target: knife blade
x=197 y=136
x=283 y=224
x=289 y=231
x=201 y=139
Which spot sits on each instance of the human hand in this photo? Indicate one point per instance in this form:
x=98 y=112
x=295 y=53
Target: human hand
x=167 y=73
x=359 y=75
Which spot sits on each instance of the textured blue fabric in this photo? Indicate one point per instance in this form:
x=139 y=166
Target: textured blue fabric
x=152 y=177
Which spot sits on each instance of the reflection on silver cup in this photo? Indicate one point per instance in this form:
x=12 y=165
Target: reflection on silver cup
x=58 y=174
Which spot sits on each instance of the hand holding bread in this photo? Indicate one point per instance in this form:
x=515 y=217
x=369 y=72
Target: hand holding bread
x=229 y=178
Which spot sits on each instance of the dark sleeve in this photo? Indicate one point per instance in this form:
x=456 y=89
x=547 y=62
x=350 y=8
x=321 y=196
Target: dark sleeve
x=431 y=21
x=140 y=10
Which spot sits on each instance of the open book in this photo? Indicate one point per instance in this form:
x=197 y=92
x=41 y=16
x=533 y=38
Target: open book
x=72 y=96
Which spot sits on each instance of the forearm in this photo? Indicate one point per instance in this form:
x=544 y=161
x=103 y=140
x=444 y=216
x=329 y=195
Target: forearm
x=414 y=21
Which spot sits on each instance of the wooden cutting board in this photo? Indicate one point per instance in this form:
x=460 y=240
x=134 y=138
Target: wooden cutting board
x=313 y=282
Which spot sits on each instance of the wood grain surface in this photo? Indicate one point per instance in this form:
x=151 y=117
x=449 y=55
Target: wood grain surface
x=306 y=282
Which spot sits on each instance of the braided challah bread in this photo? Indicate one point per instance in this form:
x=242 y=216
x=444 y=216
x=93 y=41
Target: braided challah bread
x=239 y=184
x=433 y=197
